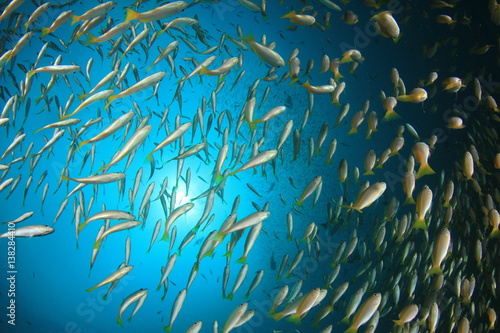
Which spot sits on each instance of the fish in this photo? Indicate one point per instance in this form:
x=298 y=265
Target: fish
x=29 y=231
x=137 y=297
x=368 y=196
x=115 y=276
x=176 y=308
x=161 y=12
x=263 y=52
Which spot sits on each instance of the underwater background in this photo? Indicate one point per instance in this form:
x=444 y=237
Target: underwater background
x=53 y=272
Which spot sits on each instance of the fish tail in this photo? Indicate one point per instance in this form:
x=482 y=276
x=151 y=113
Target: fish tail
x=91 y=39
x=396 y=40
x=419 y=224
x=343 y=60
x=248 y=38
x=424 y=170
x=218 y=178
x=65 y=178
x=290 y=14
x=404 y=98
x=119 y=321
x=352 y=131
x=102 y=169
x=209 y=253
x=242 y=260
x=204 y=70
x=90 y=289
x=295 y=319
x=110 y=99
x=495 y=234
x=276 y=316
x=75 y=19
x=253 y=127
x=391 y=115
x=228 y=254
x=370 y=172
x=345 y=320
x=149 y=158
x=350 y=207
x=83 y=143
x=165 y=237
x=299 y=203
x=45 y=32
x=398 y=322
x=97 y=244
x=167 y=328
x=351 y=330
x=230 y=296
x=338 y=76
x=409 y=201
x=435 y=270
x=131 y=15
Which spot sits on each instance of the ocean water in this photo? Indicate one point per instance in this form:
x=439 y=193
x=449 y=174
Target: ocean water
x=51 y=273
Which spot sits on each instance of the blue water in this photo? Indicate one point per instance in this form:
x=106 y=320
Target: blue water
x=53 y=273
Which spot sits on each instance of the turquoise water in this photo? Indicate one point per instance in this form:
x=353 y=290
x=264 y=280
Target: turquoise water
x=52 y=272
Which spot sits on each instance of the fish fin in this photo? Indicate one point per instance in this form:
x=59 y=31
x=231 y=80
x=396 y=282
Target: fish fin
x=248 y=38
x=290 y=14
x=409 y=201
x=391 y=115
x=91 y=39
x=131 y=15
x=435 y=270
x=351 y=330
x=495 y=234
x=74 y=19
x=369 y=173
x=345 y=320
x=295 y=319
x=352 y=131
x=351 y=207
x=404 y=98
x=45 y=32
x=119 y=322
x=424 y=170
x=419 y=224
x=396 y=40
x=167 y=328
x=204 y=70
x=81 y=144
x=242 y=260
x=90 y=289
